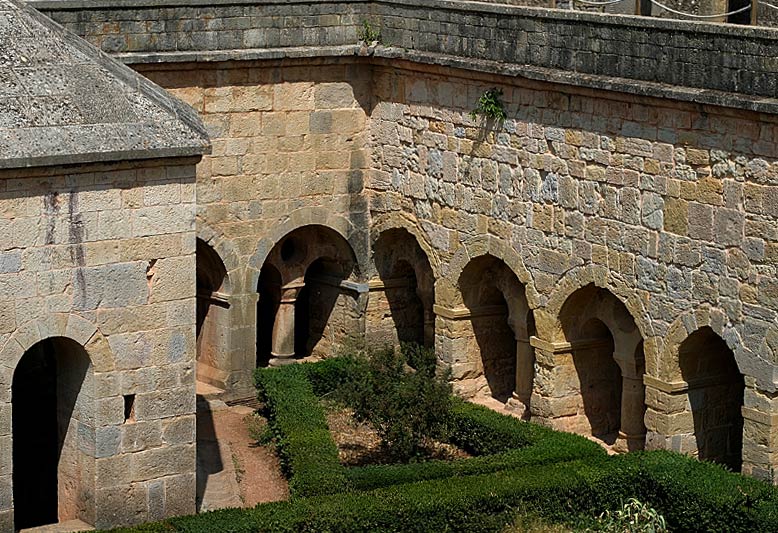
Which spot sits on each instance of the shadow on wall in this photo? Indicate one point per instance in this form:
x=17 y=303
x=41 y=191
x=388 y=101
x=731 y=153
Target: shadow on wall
x=498 y=312
x=306 y=302
x=716 y=389
x=605 y=370
x=209 y=460
x=407 y=290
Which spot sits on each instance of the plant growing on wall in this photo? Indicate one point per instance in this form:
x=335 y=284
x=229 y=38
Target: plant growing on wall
x=368 y=33
x=490 y=105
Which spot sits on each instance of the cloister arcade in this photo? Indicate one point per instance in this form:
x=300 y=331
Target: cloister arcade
x=583 y=371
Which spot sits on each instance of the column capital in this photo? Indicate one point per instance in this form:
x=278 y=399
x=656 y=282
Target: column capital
x=291 y=291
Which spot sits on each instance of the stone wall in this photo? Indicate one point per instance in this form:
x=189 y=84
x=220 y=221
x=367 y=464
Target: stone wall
x=636 y=164
x=288 y=151
x=666 y=206
x=102 y=255
x=165 y=27
x=633 y=54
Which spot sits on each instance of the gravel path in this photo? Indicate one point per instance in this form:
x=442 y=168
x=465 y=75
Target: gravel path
x=232 y=470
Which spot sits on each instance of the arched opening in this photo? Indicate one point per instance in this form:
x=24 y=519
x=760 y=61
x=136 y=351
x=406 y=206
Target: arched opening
x=212 y=326
x=599 y=369
x=307 y=300
x=267 y=307
x=600 y=380
x=402 y=296
x=496 y=308
x=53 y=435
x=715 y=397
x=314 y=306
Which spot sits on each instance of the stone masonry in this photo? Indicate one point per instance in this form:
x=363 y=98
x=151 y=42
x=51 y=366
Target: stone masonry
x=602 y=261
x=97 y=248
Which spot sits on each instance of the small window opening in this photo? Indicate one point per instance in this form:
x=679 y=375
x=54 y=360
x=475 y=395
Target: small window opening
x=129 y=408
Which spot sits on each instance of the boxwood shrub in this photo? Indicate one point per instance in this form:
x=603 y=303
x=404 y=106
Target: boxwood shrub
x=518 y=465
x=694 y=497
x=309 y=456
x=498 y=441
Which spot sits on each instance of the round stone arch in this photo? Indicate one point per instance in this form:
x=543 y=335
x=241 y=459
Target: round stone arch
x=548 y=325
x=446 y=292
x=67 y=325
x=307 y=216
x=595 y=329
x=668 y=368
x=83 y=333
x=391 y=221
x=225 y=249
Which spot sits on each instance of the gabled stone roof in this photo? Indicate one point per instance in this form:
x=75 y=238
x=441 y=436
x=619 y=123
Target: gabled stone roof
x=62 y=101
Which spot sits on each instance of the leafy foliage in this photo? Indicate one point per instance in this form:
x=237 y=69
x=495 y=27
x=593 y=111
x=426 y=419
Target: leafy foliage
x=499 y=442
x=519 y=466
x=490 y=105
x=405 y=406
x=633 y=517
x=369 y=33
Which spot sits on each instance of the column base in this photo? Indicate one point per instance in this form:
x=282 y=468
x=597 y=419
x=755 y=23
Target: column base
x=517 y=406
x=629 y=443
x=281 y=359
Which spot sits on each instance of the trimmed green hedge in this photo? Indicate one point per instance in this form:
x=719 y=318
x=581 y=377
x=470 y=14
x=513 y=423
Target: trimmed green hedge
x=476 y=504
x=499 y=442
x=309 y=456
x=523 y=468
x=694 y=497
x=697 y=496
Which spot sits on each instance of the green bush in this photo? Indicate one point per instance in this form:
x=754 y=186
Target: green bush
x=506 y=443
x=478 y=504
x=309 y=456
x=699 y=496
x=330 y=375
x=518 y=466
x=406 y=407
x=482 y=431
x=500 y=442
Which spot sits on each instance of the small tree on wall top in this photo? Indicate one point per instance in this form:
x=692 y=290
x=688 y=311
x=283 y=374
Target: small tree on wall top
x=490 y=105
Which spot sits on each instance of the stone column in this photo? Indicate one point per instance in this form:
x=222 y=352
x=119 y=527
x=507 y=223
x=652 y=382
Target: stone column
x=282 y=352
x=242 y=334
x=429 y=325
x=632 y=432
x=525 y=374
x=454 y=343
x=669 y=421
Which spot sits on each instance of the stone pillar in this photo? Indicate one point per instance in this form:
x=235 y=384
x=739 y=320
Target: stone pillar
x=283 y=327
x=760 y=433
x=454 y=343
x=242 y=355
x=556 y=396
x=429 y=325
x=669 y=420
